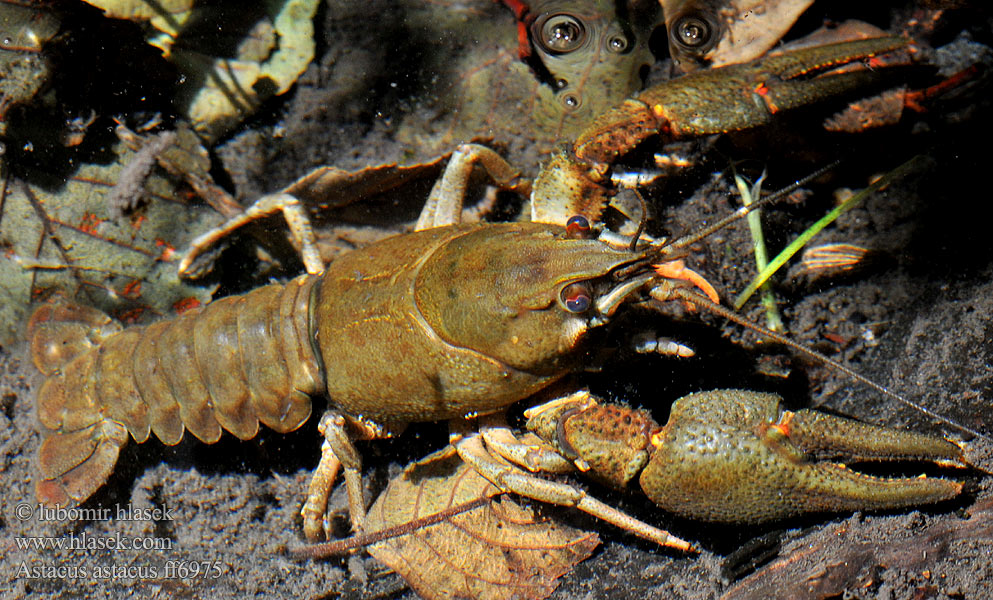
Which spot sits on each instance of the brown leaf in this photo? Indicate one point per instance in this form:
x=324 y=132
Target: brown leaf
x=275 y=45
x=498 y=550
x=329 y=186
x=23 y=70
x=755 y=26
x=348 y=209
x=747 y=28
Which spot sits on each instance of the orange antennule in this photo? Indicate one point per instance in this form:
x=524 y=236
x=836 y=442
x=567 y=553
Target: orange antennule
x=676 y=269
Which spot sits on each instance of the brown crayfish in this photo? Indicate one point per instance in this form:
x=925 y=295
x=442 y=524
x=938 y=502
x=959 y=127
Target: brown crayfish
x=445 y=323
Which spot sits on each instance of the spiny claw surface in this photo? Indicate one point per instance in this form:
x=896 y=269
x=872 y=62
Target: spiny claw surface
x=735 y=456
x=610 y=441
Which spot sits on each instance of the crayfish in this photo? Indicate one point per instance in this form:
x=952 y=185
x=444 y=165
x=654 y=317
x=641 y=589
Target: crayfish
x=446 y=323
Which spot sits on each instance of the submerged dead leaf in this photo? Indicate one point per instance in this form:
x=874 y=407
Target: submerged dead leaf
x=23 y=70
x=348 y=209
x=352 y=209
x=500 y=550
x=754 y=27
x=167 y=17
x=66 y=237
x=226 y=80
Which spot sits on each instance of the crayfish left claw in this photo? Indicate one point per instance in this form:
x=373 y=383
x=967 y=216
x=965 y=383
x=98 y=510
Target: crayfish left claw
x=735 y=456
x=731 y=98
x=802 y=77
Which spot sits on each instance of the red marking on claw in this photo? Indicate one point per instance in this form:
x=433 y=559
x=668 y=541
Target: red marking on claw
x=763 y=90
x=786 y=421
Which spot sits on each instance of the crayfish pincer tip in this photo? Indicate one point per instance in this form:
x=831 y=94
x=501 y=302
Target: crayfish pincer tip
x=829 y=436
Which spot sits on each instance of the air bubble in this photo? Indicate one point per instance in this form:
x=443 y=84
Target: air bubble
x=618 y=43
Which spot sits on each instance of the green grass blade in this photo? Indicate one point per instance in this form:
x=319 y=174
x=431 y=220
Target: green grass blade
x=801 y=241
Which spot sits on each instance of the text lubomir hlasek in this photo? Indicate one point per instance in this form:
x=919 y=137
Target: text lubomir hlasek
x=126 y=512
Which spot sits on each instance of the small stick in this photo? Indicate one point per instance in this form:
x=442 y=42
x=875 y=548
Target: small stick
x=338 y=547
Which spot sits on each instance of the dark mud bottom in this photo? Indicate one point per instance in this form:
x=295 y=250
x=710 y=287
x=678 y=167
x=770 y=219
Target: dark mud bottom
x=234 y=506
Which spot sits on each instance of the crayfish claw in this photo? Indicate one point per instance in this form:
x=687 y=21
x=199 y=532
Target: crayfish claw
x=735 y=456
x=732 y=97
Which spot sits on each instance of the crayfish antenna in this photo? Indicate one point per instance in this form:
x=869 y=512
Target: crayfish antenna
x=676 y=247
x=642 y=223
x=704 y=303
x=741 y=213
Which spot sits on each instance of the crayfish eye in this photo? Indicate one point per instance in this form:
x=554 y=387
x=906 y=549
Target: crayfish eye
x=578 y=228
x=559 y=34
x=693 y=33
x=576 y=297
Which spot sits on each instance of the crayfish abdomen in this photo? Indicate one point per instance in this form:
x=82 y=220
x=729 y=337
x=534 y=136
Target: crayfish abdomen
x=237 y=362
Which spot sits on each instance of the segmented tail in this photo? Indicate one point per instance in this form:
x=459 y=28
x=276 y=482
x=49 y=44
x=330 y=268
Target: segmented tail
x=235 y=363
x=82 y=446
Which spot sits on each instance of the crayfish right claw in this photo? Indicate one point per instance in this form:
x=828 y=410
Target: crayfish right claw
x=735 y=456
